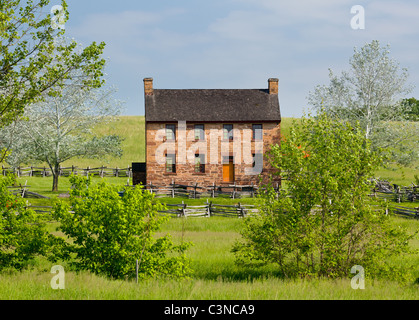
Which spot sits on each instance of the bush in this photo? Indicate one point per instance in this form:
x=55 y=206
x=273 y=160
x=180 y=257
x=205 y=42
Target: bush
x=110 y=232
x=23 y=233
x=323 y=222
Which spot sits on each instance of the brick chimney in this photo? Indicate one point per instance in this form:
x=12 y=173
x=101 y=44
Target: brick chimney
x=148 y=87
x=273 y=85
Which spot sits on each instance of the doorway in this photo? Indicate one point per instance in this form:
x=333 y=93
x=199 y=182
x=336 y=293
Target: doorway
x=228 y=169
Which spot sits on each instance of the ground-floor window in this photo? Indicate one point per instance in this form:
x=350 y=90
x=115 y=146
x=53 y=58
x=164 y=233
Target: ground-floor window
x=171 y=163
x=199 y=163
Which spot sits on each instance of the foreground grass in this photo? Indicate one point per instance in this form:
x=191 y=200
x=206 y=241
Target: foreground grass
x=85 y=286
x=215 y=277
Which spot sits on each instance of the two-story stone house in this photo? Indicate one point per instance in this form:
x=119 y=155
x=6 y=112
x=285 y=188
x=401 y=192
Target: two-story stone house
x=208 y=136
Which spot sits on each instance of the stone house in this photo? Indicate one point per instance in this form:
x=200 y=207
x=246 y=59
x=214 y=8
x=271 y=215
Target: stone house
x=208 y=136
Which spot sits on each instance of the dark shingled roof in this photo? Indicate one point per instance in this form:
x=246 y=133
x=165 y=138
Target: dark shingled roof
x=212 y=105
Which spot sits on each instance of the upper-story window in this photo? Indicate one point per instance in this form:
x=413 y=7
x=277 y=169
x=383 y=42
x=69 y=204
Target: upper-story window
x=170 y=132
x=228 y=132
x=199 y=132
x=257 y=130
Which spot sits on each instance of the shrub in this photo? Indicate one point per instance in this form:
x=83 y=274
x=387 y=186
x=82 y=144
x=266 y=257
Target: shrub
x=23 y=233
x=323 y=222
x=110 y=232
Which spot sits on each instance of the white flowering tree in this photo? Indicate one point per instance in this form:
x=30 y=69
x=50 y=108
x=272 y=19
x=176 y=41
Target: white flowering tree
x=371 y=93
x=60 y=128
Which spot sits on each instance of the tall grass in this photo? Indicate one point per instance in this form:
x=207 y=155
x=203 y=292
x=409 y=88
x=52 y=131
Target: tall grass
x=85 y=286
x=216 y=275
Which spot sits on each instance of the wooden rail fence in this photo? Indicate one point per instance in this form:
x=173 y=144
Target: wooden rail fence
x=393 y=192
x=236 y=191
x=183 y=210
x=66 y=171
x=399 y=196
x=24 y=192
x=405 y=211
x=210 y=210
x=239 y=210
x=196 y=191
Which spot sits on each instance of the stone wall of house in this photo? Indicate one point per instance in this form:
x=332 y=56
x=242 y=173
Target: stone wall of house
x=213 y=146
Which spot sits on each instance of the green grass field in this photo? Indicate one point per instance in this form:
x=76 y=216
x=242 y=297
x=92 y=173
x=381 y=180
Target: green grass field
x=216 y=276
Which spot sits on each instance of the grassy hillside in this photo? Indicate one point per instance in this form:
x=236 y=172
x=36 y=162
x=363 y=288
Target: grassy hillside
x=132 y=130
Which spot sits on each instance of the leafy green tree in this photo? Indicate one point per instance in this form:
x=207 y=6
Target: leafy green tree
x=323 y=222
x=32 y=63
x=370 y=93
x=411 y=108
x=110 y=233
x=23 y=232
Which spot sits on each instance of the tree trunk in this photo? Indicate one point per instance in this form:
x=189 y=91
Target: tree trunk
x=55 y=175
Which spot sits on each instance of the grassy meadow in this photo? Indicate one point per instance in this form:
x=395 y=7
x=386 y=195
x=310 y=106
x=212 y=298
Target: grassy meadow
x=216 y=276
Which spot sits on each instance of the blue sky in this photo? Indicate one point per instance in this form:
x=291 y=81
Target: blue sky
x=231 y=44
